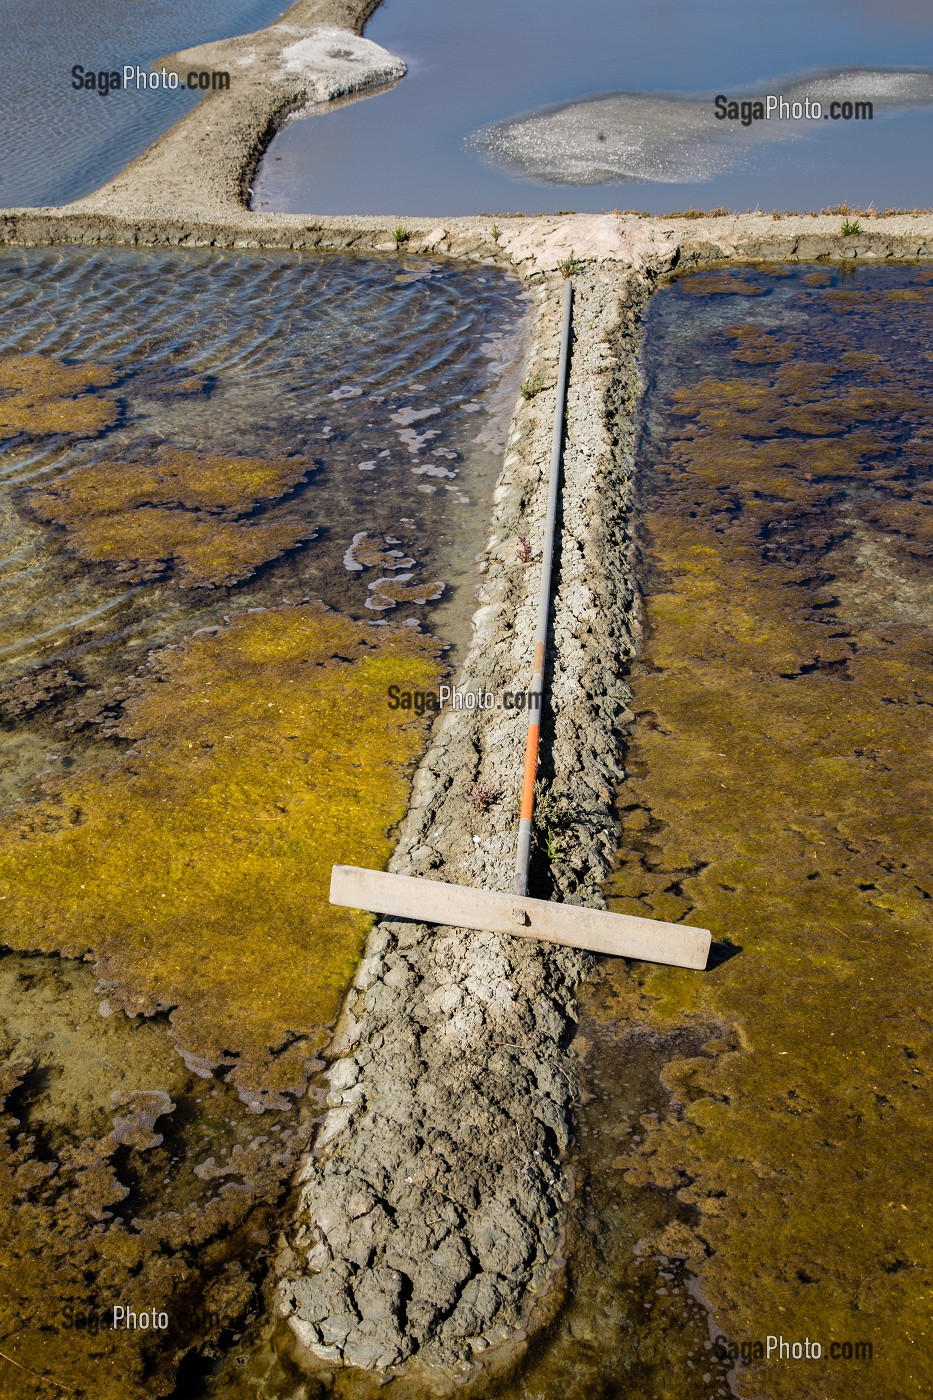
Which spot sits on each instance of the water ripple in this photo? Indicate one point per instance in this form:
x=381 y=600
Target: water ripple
x=243 y=354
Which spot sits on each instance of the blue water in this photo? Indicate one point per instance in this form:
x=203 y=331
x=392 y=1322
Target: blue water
x=485 y=61
x=59 y=144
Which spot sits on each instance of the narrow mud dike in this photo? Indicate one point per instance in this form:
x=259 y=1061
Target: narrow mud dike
x=432 y=1205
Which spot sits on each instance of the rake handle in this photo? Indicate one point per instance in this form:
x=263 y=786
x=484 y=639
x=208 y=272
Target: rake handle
x=533 y=736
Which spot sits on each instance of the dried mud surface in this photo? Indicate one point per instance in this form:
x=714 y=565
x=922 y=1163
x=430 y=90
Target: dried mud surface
x=434 y=1201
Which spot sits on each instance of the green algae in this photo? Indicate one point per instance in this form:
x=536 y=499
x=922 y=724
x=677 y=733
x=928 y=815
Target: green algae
x=200 y=552
x=125 y=782
x=197 y=480
x=194 y=868
x=386 y=592
x=778 y=794
x=191 y=866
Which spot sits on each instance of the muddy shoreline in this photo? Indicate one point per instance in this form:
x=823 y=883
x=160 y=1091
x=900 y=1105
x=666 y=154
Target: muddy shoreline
x=433 y=1204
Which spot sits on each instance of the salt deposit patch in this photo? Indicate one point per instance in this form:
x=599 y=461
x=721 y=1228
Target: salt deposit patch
x=367 y=553
x=337 y=62
x=415 y=441
x=405 y=416
x=669 y=139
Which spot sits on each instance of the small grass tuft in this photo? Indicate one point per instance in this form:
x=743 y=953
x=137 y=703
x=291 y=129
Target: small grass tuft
x=496 y=232
x=553 y=818
x=534 y=383
x=850 y=226
x=402 y=235
x=570 y=266
x=549 y=845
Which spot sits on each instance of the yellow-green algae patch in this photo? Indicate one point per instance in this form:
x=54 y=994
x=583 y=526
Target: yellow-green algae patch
x=41 y=397
x=779 y=795
x=194 y=869
x=178 y=508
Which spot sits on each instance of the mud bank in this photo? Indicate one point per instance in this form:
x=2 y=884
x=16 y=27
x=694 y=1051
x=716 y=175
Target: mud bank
x=532 y=247
x=433 y=1205
x=314 y=53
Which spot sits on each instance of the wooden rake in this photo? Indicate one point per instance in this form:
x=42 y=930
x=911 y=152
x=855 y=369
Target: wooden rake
x=462 y=906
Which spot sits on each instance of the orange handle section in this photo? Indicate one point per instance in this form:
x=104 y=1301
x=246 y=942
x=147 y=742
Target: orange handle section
x=531 y=771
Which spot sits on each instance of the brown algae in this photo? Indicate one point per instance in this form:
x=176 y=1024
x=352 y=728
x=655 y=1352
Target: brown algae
x=124 y=1179
x=177 y=420
x=192 y=869
x=778 y=794
x=706 y=284
x=178 y=777
x=41 y=396
x=177 y=508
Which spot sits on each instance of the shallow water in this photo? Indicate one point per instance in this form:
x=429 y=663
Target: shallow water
x=115 y=1156
x=60 y=144
x=193 y=446
x=777 y=772
x=411 y=150
x=384 y=386
x=756 y=1137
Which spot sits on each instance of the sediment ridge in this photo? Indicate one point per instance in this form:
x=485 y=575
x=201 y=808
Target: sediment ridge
x=433 y=1203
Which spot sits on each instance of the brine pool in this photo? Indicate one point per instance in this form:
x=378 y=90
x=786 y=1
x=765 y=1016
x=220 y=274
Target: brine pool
x=59 y=142
x=777 y=794
x=498 y=112
x=376 y=393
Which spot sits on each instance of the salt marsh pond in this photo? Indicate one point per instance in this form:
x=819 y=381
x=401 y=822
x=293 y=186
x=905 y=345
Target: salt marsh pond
x=222 y=476
x=60 y=143
x=478 y=122
x=776 y=793
x=758 y=1139
x=177 y=425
